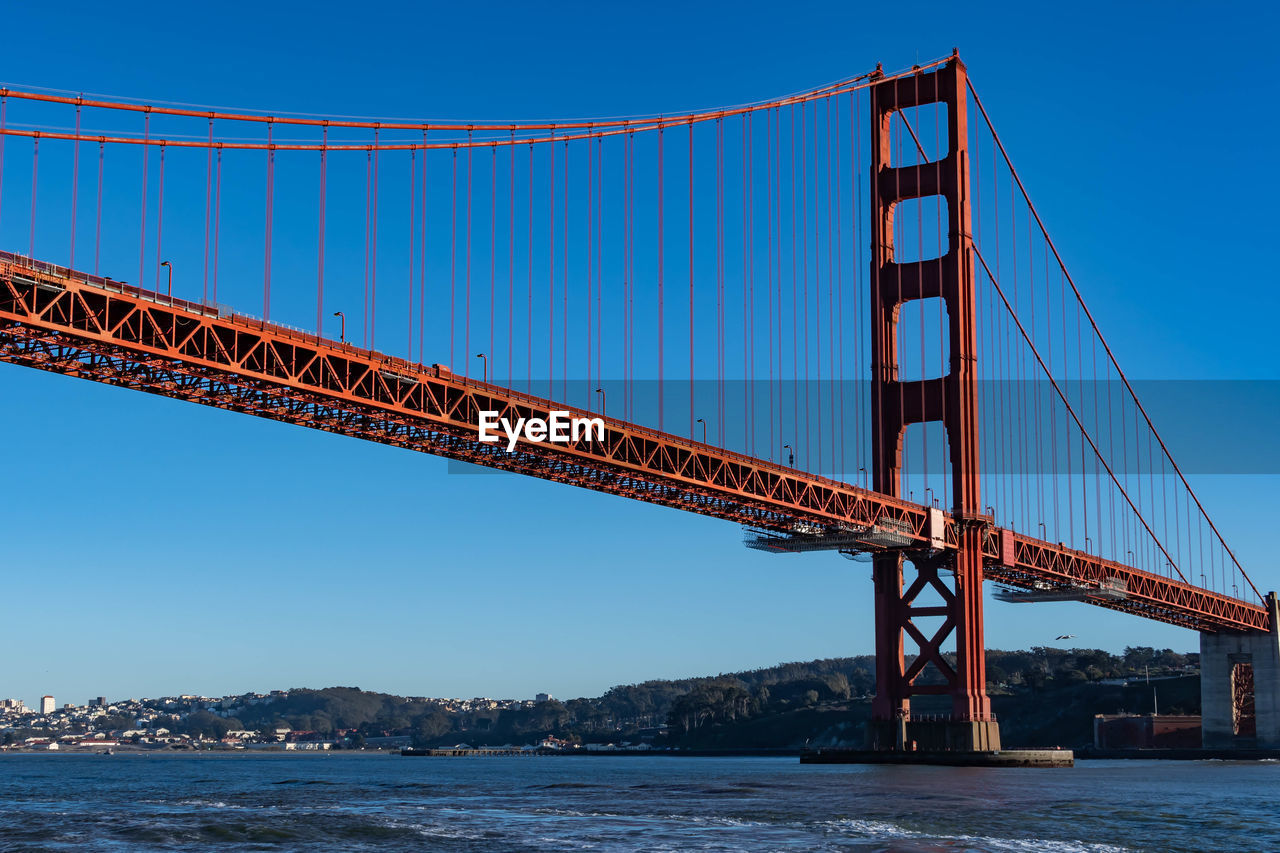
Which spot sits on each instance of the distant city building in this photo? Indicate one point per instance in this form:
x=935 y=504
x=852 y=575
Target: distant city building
x=543 y=697
x=100 y=702
x=46 y=705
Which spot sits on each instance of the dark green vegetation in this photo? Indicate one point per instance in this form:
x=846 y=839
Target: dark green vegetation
x=1042 y=697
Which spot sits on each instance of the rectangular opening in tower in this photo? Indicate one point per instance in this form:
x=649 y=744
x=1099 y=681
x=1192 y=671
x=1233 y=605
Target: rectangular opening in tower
x=918 y=135
x=920 y=230
x=924 y=339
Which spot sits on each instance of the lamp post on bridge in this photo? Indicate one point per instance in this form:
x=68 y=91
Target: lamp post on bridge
x=342 y=330
x=704 y=429
x=169 y=268
x=791 y=455
x=484 y=358
x=600 y=391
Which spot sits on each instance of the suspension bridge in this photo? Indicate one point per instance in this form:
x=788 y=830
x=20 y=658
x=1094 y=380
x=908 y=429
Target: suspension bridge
x=835 y=318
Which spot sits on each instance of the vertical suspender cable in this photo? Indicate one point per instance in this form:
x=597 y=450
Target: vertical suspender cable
x=722 y=332
x=926 y=427
x=368 y=200
x=1039 y=427
x=628 y=236
x=777 y=209
x=691 y=412
x=721 y=327
x=271 y=183
x=795 y=329
x=1084 y=475
x=4 y=110
x=208 y=206
x=75 y=187
x=142 y=227
x=1124 y=435
x=804 y=273
x=590 y=212
x=748 y=375
x=413 y=227
x=986 y=364
x=97 y=227
x=626 y=274
x=160 y=215
x=421 y=263
x=324 y=164
x=466 y=330
x=373 y=251
x=217 y=221
x=564 y=275
x=661 y=332
x=493 y=244
x=551 y=271
x=630 y=177
x=1053 y=419
x=855 y=217
x=529 y=309
x=453 y=258
x=817 y=291
x=511 y=260
x=840 y=461
x=1002 y=365
x=831 y=312
x=600 y=210
x=721 y=293
x=35 y=168
x=905 y=468
x=777 y=307
x=769 y=277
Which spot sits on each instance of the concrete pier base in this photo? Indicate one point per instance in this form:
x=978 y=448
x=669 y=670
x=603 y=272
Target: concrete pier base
x=908 y=735
x=1240 y=687
x=947 y=758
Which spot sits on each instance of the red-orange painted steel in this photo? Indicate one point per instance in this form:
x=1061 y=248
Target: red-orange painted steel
x=79 y=325
x=951 y=400
x=592 y=126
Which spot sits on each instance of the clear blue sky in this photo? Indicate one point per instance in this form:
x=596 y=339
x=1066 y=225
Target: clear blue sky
x=143 y=554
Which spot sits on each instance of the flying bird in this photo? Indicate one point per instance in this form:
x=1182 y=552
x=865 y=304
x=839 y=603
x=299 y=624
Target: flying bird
x=1065 y=637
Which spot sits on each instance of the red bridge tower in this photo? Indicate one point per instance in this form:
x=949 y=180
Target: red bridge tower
x=952 y=400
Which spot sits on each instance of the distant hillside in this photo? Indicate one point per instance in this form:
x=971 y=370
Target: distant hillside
x=1041 y=696
x=1044 y=696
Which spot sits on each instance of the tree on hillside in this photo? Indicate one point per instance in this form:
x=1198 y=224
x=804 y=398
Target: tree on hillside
x=720 y=701
x=430 y=726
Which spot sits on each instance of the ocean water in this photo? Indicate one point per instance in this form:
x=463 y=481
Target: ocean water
x=381 y=802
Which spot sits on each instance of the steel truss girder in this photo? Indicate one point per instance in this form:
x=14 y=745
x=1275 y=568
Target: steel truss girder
x=246 y=365
x=62 y=321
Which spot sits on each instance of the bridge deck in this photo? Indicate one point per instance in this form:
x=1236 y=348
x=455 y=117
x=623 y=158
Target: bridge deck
x=67 y=322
